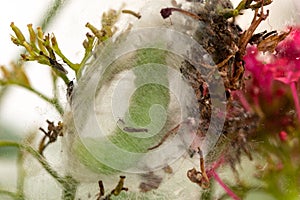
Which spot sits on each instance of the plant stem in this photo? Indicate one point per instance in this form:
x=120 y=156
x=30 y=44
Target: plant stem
x=68 y=183
x=239 y=94
x=11 y=194
x=296 y=98
x=73 y=66
x=54 y=85
x=224 y=186
x=52 y=11
x=2 y=91
x=35 y=154
x=21 y=175
x=52 y=101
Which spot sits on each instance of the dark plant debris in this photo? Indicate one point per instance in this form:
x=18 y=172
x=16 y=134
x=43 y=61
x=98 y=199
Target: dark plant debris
x=51 y=135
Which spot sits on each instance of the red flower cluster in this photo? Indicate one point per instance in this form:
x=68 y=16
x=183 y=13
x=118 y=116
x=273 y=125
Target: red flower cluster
x=288 y=58
x=283 y=66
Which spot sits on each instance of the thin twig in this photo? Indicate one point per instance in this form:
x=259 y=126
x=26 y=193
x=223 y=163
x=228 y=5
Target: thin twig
x=68 y=183
x=10 y=194
x=137 y=15
x=169 y=133
x=51 y=13
x=21 y=175
x=224 y=186
x=296 y=99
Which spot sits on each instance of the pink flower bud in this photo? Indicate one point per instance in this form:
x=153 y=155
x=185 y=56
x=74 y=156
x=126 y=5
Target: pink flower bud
x=283 y=136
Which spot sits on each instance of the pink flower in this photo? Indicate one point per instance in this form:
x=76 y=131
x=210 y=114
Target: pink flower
x=287 y=59
x=290 y=46
x=262 y=74
x=283 y=66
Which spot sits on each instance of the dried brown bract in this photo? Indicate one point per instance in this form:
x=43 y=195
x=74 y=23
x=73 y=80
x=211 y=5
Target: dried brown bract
x=267 y=42
x=51 y=134
x=199 y=177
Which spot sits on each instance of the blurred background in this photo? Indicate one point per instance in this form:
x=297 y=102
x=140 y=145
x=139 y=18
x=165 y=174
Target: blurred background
x=21 y=111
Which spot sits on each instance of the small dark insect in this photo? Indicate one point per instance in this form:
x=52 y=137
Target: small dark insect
x=70 y=88
x=118 y=189
x=52 y=134
x=57 y=65
x=134 y=130
x=131 y=129
x=54 y=63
